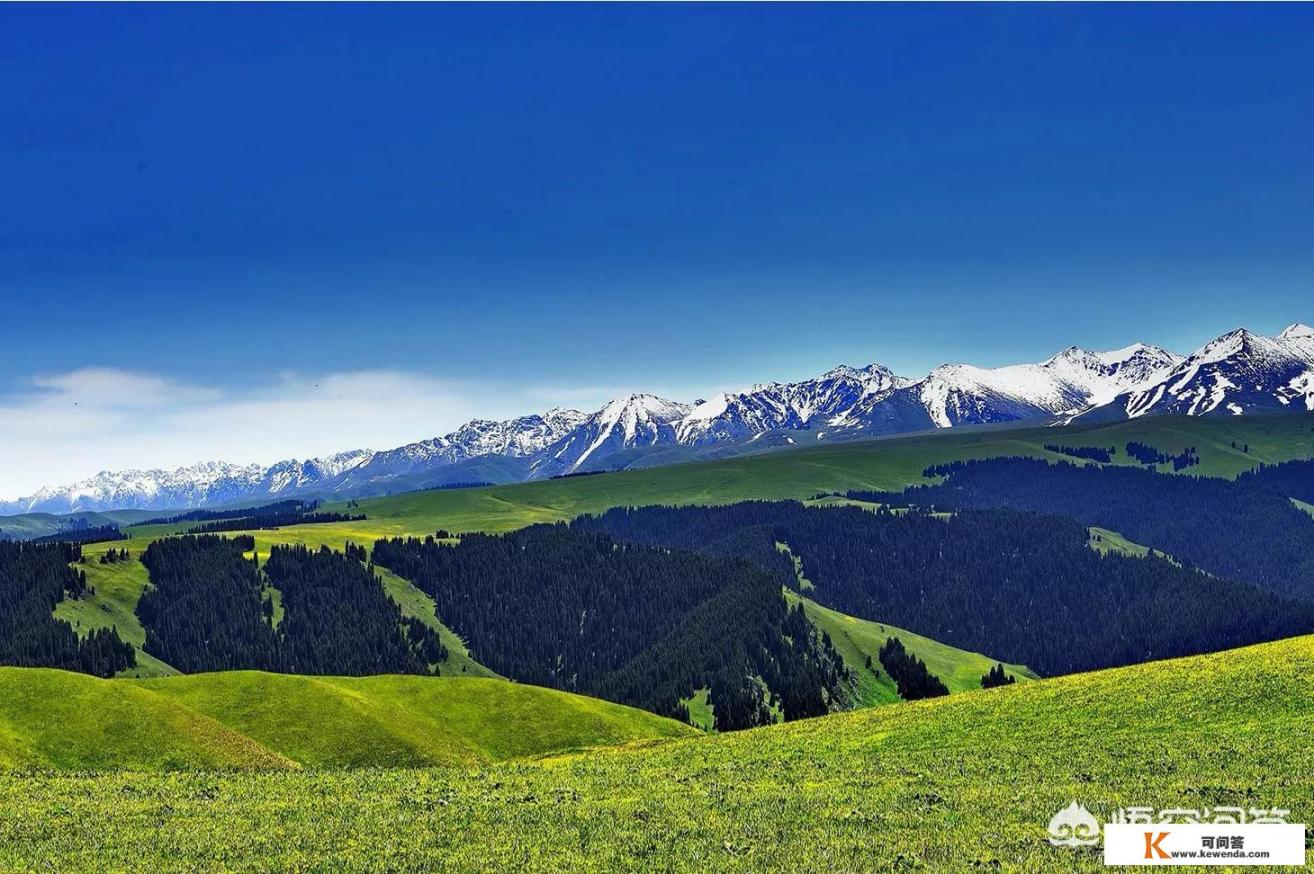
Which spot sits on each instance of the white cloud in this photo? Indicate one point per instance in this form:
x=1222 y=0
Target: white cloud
x=61 y=428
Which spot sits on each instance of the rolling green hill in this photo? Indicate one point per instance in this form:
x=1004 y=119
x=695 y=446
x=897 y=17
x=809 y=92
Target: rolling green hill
x=967 y=782
x=67 y=721
x=248 y=719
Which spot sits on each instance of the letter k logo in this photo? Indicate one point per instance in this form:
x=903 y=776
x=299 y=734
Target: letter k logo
x=1152 y=845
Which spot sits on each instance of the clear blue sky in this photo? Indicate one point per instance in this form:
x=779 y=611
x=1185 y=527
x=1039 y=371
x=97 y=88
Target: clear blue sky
x=644 y=195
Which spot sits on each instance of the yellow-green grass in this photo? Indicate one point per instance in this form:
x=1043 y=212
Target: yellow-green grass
x=52 y=719
x=64 y=720
x=118 y=586
x=962 y=783
x=406 y=721
x=856 y=639
x=701 y=712
x=1104 y=540
x=414 y=602
x=1308 y=508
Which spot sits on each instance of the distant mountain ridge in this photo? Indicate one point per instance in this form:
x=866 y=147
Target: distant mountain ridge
x=1237 y=373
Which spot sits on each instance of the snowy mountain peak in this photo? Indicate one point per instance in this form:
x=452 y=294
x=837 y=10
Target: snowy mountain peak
x=870 y=372
x=1225 y=345
x=643 y=407
x=1138 y=352
x=781 y=407
x=1237 y=373
x=1072 y=354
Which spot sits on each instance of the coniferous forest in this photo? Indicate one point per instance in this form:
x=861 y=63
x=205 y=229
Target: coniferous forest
x=1090 y=453
x=202 y=611
x=273 y=520
x=209 y=609
x=1023 y=587
x=96 y=534
x=635 y=624
x=33 y=579
x=1241 y=529
x=339 y=620
x=996 y=677
x=275 y=508
x=909 y=673
x=1295 y=479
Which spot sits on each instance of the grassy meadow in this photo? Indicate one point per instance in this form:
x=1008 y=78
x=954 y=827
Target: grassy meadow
x=60 y=720
x=963 y=783
x=114 y=604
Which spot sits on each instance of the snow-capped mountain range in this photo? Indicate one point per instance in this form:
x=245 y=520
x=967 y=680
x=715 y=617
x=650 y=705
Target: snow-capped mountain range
x=1237 y=373
x=1240 y=372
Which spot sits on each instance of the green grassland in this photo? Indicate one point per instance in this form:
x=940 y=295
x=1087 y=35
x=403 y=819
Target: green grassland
x=1105 y=541
x=63 y=720
x=856 y=639
x=962 y=783
x=53 y=719
x=701 y=712
x=114 y=605
x=406 y=721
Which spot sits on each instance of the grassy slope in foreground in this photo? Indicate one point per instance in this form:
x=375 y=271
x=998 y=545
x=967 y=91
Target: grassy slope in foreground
x=967 y=782
x=248 y=719
x=855 y=639
x=58 y=719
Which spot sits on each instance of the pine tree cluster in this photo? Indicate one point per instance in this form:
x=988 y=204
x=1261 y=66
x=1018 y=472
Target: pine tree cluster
x=634 y=624
x=33 y=579
x=209 y=608
x=1021 y=586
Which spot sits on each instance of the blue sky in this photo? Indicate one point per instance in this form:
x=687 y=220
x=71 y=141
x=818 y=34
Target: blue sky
x=527 y=205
